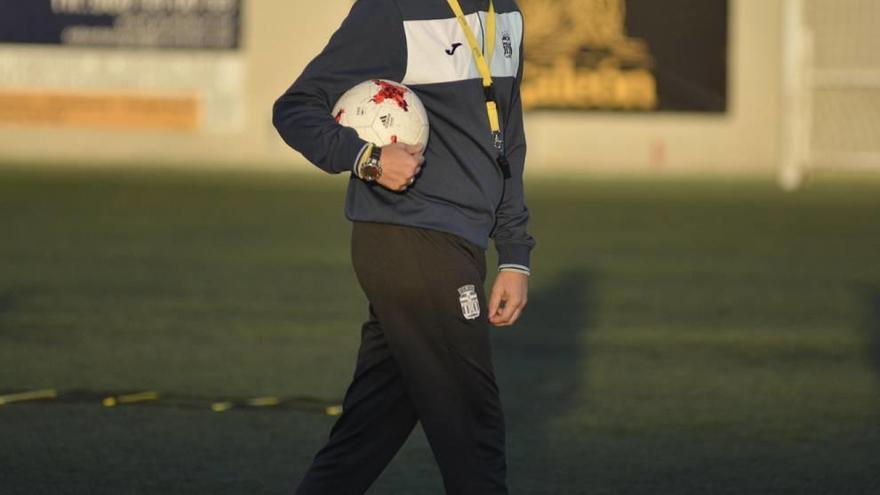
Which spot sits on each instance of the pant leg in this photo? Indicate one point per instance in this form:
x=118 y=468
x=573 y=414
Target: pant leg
x=377 y=418
x=421 y=284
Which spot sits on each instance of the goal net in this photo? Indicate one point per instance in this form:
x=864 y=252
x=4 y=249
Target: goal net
x=832 y=87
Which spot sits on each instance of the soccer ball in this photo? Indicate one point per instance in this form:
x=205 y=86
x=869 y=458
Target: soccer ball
x=383 y=112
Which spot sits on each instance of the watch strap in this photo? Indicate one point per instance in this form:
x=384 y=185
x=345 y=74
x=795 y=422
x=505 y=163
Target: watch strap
x=371 y=159
x=376 y=153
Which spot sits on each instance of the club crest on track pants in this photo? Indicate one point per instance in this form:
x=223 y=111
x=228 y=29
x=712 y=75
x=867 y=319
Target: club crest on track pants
x=425 y=356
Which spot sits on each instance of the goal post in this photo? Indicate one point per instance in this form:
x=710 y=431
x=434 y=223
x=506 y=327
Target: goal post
x=831 y=87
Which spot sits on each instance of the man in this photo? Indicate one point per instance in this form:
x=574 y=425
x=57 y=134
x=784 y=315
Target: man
x=421 y=224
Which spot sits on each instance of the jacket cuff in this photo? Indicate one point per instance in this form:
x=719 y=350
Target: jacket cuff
x=349 y=151
x=358 y=158
x=513 y=257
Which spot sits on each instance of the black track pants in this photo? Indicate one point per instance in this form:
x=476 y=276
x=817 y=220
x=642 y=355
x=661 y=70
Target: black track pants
x=424 y=356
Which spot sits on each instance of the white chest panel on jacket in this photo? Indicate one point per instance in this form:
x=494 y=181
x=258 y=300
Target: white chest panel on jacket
x=438 y=52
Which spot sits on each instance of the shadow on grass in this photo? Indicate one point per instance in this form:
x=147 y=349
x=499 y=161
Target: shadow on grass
x=872 y=325
x=541 y=363
x=9 y=300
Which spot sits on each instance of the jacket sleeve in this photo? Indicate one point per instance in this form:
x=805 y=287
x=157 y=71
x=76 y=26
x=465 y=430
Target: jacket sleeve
x=369 y=44
x=512 y=240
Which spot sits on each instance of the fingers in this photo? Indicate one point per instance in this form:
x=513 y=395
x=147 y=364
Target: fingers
x=516 y=314
x=401 y=164
x=495 y=301
x=406 y=183
x=416 y=151
x=409 y=173
x=508 y=313
x=413 y=149
x=505 y=312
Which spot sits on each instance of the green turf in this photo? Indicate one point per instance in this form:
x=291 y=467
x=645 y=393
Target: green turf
x=683 y=336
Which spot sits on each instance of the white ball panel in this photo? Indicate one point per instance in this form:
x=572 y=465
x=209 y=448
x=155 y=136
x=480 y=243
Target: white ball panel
x=379 y=122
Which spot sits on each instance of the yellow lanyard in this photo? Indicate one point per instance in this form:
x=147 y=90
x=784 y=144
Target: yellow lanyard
x=482 y=65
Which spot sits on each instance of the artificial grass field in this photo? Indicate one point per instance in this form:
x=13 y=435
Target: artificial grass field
x=682 y=336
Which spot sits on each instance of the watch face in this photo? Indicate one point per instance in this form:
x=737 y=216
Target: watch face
x=371 y=172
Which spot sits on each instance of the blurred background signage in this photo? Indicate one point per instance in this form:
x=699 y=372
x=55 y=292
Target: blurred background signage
x=155 y=65
x=199 y=24
x=637 y=55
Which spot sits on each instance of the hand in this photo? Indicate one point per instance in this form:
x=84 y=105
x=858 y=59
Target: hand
x=509 y=296
x=400 y=165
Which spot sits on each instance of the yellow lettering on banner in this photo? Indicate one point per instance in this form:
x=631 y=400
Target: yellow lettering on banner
x=563 y=85
x=110 y=110
x=580 y=56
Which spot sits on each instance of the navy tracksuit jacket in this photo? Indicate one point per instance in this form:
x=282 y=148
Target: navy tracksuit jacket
x=461 y=189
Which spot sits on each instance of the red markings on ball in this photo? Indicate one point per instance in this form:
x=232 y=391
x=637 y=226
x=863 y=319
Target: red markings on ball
x=388 y=91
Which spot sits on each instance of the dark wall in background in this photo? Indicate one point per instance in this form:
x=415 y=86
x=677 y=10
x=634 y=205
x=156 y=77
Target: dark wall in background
x=688 y=39
x=626 y=55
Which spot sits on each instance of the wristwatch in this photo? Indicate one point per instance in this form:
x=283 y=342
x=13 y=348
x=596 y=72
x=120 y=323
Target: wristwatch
x=371 y=168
